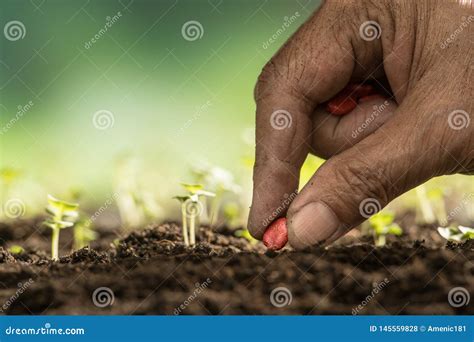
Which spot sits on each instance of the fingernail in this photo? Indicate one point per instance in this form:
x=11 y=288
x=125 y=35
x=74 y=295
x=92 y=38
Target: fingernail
x=314 y=223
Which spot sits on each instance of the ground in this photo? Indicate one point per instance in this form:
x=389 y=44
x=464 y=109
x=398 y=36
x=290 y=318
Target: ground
x=150 y=271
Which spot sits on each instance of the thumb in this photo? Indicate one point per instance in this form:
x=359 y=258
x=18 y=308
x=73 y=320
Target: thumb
x=352 y=186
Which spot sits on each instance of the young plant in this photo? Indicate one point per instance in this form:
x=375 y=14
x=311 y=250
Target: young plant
x=218 y=180
x=425 y=205
x=191 y=208
x=16 y=249
x=83 y=233
x=381 y=225
x=458 y=234
x=61 y=215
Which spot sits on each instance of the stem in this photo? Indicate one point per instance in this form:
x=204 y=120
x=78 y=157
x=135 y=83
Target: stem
x=380 y=241
x=441 y=215
x=192 y=231
x=55 y=244
x=185 y=225
x=425 y=205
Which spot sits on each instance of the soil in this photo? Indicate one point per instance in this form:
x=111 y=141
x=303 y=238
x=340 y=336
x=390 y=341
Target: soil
x=150 y=271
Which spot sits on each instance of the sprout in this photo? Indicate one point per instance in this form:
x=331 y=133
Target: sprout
x=16 y=249
x=191 y=208
x=220 y=181
x=83 y=233
x=244 y=233
x=381 y=225
x=458 y=234
x=61 y=215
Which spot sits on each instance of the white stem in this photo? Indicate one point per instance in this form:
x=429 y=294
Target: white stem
x=185 y=225
x=426 y=208
x=192 y=231
x=55 y=244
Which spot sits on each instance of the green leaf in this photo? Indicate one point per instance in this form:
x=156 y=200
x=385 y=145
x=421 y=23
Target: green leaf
x=192 y=188
x=181 y=198
x=16 y=249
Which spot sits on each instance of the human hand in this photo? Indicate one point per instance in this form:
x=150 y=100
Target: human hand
x=421 y=53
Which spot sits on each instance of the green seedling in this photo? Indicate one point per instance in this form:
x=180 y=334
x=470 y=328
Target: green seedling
x=244 y=233
x=436 y=197
x=220 y=182
x=191 y=208
x=425 y=205
x=83 y=233
x=61 y=215
x=458 y=234
x=381 y=225
x=16 y=249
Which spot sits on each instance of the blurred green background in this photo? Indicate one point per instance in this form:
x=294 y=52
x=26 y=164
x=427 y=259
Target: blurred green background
x=166 y=102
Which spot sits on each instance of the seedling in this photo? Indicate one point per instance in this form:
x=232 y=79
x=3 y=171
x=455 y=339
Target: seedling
x=191 y=208
x=218 y=180
x=244 y=233
x=61 y=215
x=458 y=234
x=83 y=233
x=381 y=225
x=16 y=249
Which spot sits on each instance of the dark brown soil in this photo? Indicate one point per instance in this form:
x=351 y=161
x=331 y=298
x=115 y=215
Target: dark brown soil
x=152 y=272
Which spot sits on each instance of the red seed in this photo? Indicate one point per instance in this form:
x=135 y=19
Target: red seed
x=276 y=235
x=346 y=100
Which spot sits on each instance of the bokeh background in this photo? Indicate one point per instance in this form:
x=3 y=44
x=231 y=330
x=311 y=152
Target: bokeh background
x=100 y=95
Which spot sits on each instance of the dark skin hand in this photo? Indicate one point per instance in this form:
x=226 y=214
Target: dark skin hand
x=421 y=54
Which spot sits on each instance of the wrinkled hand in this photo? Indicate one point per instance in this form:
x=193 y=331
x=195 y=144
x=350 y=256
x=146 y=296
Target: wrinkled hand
x=421 y=53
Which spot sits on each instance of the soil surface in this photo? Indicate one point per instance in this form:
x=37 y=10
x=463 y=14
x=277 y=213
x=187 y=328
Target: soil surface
x=151 y=272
